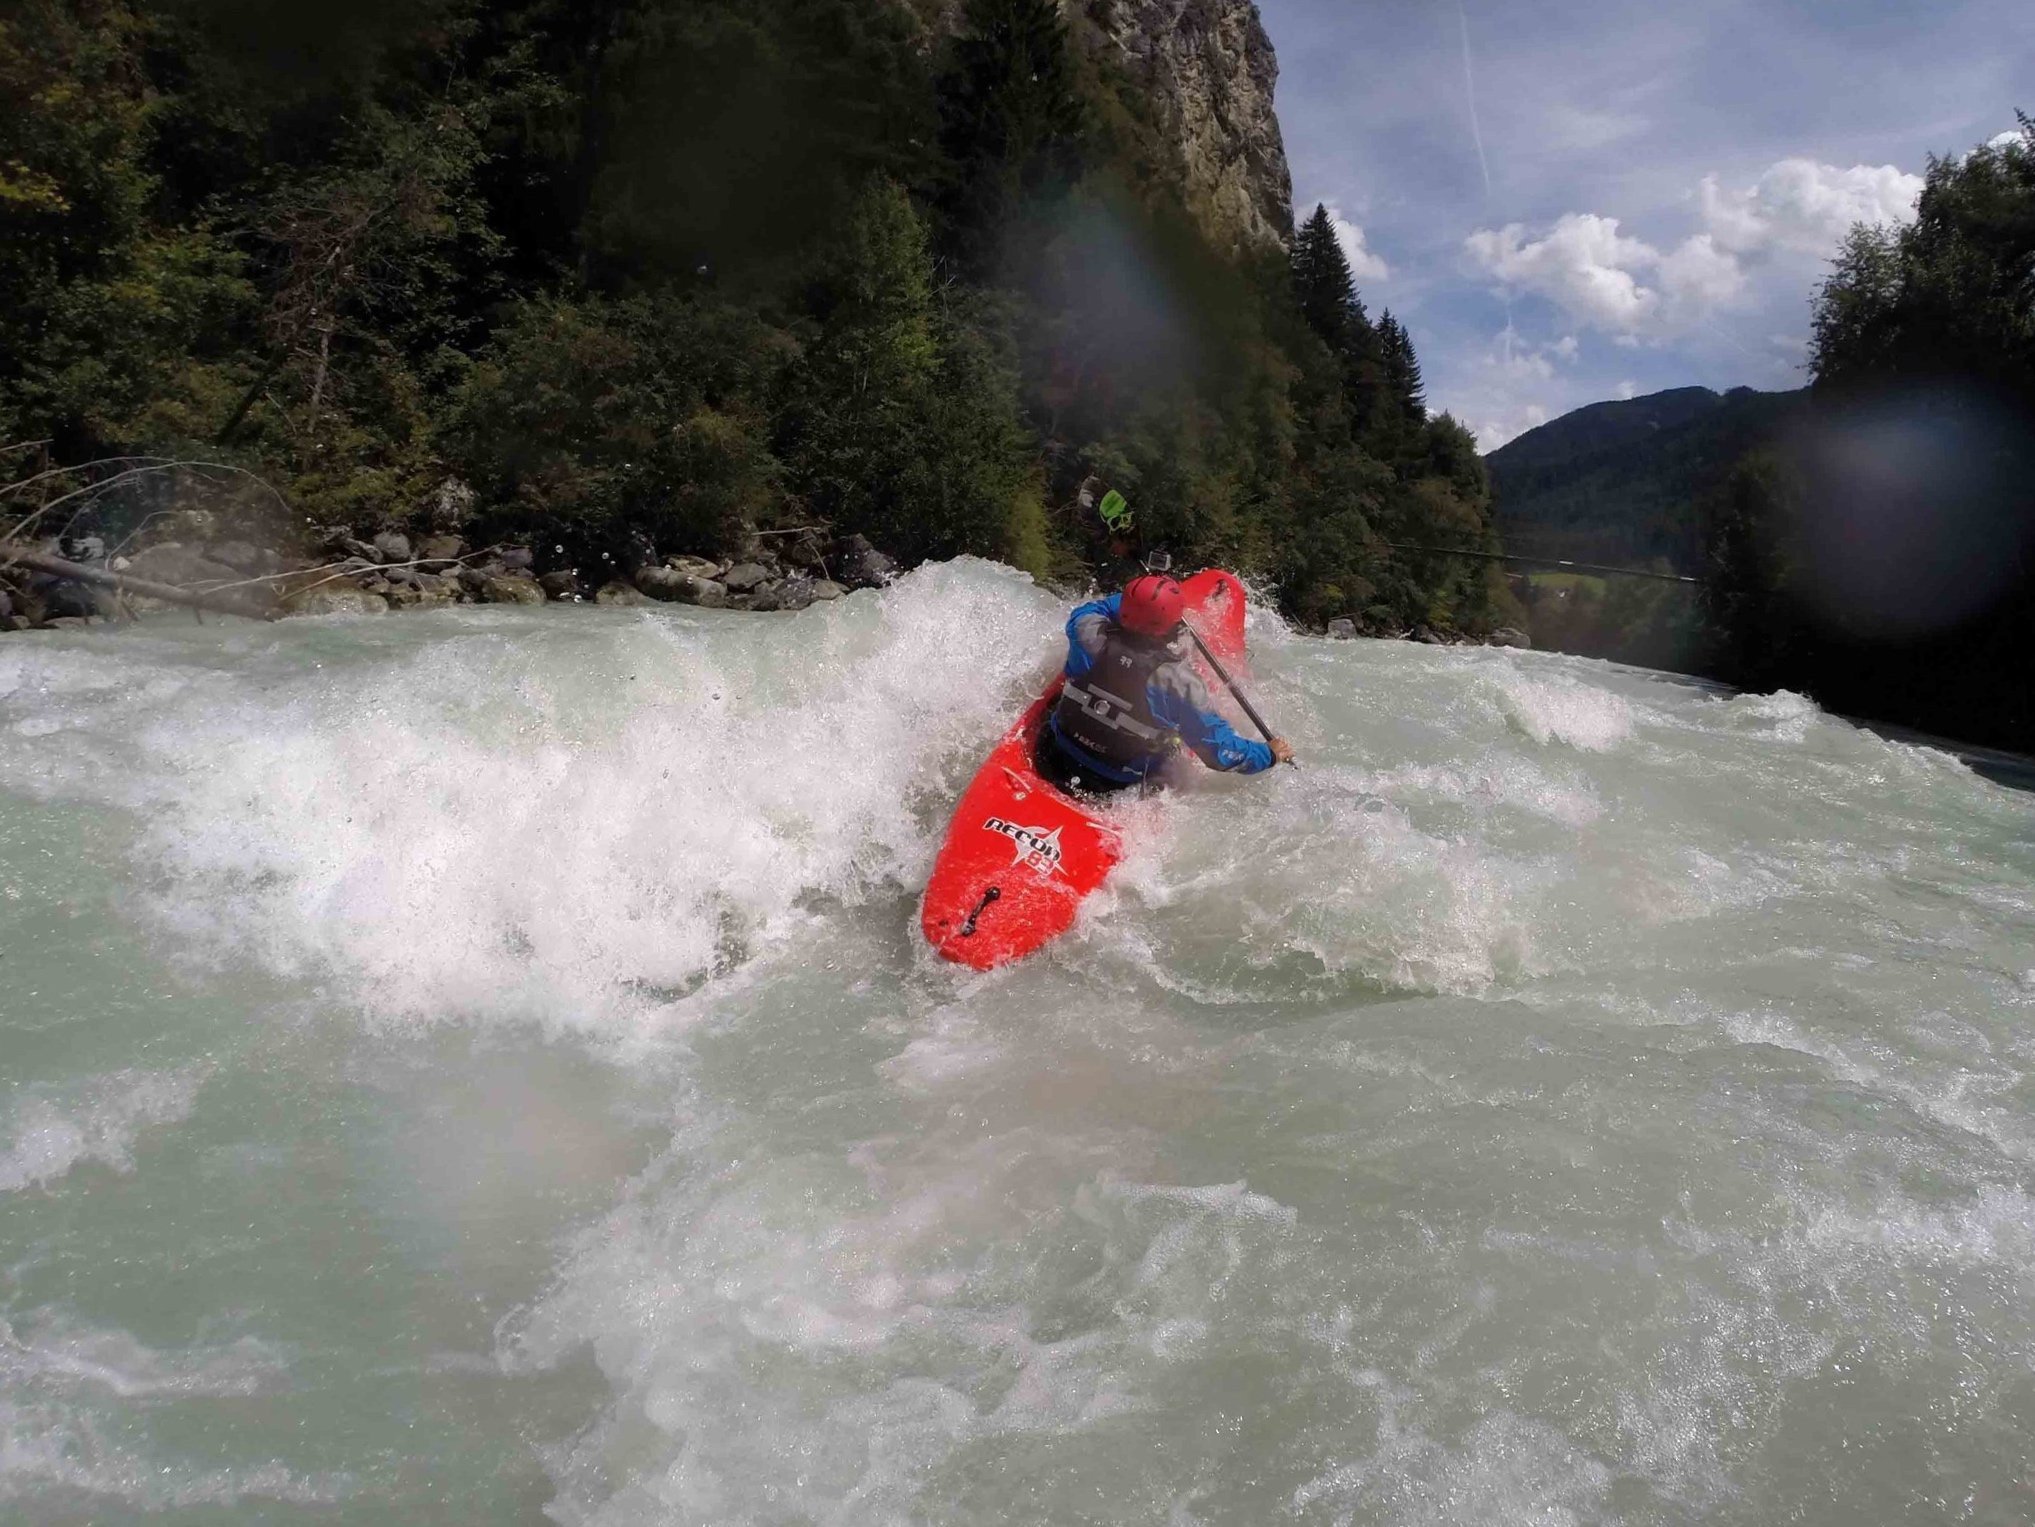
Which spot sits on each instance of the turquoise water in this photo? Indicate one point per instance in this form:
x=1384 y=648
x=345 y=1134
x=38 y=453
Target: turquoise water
x=481 y=1067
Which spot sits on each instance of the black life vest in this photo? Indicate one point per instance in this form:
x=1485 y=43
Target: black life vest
x=1108 y=713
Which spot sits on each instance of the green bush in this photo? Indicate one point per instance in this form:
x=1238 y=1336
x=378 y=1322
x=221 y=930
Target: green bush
x=588 y=419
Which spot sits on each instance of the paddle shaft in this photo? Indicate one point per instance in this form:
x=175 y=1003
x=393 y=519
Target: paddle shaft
x=1223 y=673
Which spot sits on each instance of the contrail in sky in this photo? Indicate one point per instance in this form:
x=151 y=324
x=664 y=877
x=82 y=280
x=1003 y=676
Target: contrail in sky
x=1470 y=85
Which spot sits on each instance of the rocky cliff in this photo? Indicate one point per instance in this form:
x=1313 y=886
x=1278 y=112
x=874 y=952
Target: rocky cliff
x=1195 y=78
x=1201 y=73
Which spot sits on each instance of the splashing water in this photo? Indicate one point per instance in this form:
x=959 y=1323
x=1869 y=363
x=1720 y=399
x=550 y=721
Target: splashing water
x=482 y=1067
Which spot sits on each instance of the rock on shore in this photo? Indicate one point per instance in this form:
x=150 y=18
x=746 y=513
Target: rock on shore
x=350 y=573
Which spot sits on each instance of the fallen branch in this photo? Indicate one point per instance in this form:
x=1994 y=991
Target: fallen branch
x=350 y=569
x=215 y=600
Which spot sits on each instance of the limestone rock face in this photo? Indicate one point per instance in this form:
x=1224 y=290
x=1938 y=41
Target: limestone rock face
x=1206 y=70
x=1203 y=72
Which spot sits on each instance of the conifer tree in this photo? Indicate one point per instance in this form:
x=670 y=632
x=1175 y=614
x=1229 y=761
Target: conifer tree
x=1408 y=394
x=1011 y=117
x=1327 y=293
x=1324 y=285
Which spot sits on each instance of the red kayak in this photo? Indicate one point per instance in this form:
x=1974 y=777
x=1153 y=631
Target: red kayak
x=1021 y=854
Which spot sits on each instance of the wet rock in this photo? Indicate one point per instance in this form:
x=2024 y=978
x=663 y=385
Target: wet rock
x=826 y=588
x=517 y=559
x=806 y=552
x=406 y=576
x=1508 y=636
x=698 y=567
x=1430 y=637
x=441 y=549
x=472 y=580
x=25 y=609
x=244 y=557
x=787 y=594
x=392 y=546
x=421 y=595
x=510 y=588
x=340 y=542
x=620 y=594
x=173 y=562
x=65 y=600
x=745 y=577
x=859 y=565
x=340 y=598
x=659 y=582
x=704 y=592
x=66 y=623
x=563 y=584
x=1342 y=629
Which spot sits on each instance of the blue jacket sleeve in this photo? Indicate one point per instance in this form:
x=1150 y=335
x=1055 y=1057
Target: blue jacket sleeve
x=1086 y=632
x=1214 y=741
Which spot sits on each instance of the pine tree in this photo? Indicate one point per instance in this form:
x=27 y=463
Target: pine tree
x=864 y=384
x=1327 y=293
x=1323 y=284
x=1012 y=123
x=1404 y=388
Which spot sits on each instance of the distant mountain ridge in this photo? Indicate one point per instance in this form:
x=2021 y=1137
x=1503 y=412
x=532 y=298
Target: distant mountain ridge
x=1619 y=481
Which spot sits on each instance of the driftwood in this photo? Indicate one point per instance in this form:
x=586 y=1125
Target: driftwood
x=221 y=601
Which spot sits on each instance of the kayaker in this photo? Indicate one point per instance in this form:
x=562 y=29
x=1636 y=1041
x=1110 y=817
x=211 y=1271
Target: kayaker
x=1132 y=698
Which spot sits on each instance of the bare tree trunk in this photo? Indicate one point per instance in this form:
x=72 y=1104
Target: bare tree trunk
x=223 y=602
x=318 y=380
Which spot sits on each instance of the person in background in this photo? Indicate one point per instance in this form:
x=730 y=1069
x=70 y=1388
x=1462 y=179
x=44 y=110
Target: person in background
x=1132 y=698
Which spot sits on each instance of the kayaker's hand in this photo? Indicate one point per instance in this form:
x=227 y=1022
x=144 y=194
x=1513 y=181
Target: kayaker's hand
x=1282 y=750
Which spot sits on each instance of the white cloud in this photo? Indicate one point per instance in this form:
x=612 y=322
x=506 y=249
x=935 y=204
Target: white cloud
x=1508 y=426
x=1364 y=265
x=1512 y=360
x=1698 y=276
x=1584 y=265
x=1628 y=390
x=1634 y=290
x=1803 y=207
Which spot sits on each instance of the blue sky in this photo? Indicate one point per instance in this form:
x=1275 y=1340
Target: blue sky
x=1566 y=202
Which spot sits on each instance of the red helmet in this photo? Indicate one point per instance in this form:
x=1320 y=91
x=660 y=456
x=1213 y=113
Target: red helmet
x=1152 y=606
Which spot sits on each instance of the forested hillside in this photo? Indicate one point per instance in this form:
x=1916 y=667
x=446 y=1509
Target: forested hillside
x=1618 y=482
x=627 y=275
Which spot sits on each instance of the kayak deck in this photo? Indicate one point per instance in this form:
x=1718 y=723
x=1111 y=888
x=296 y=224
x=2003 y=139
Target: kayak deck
x=1021 y=855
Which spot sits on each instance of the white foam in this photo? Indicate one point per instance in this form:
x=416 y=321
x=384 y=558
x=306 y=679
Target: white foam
x=1783 y=715
x=51 y=1454
x=576 y=832
x=1565 y=710
x=73 y=1357
x=918 y=1233
x=50 y=1134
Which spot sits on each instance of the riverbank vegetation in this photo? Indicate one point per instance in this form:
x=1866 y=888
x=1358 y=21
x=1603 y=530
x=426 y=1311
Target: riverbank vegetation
x=1879 y=553
x=1869 y=541
x=636 y=277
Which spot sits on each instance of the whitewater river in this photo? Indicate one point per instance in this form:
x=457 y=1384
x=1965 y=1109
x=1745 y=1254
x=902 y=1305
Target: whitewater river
x=464 y=1067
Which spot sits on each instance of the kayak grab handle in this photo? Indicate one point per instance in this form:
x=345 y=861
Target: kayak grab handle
x=968 y=928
